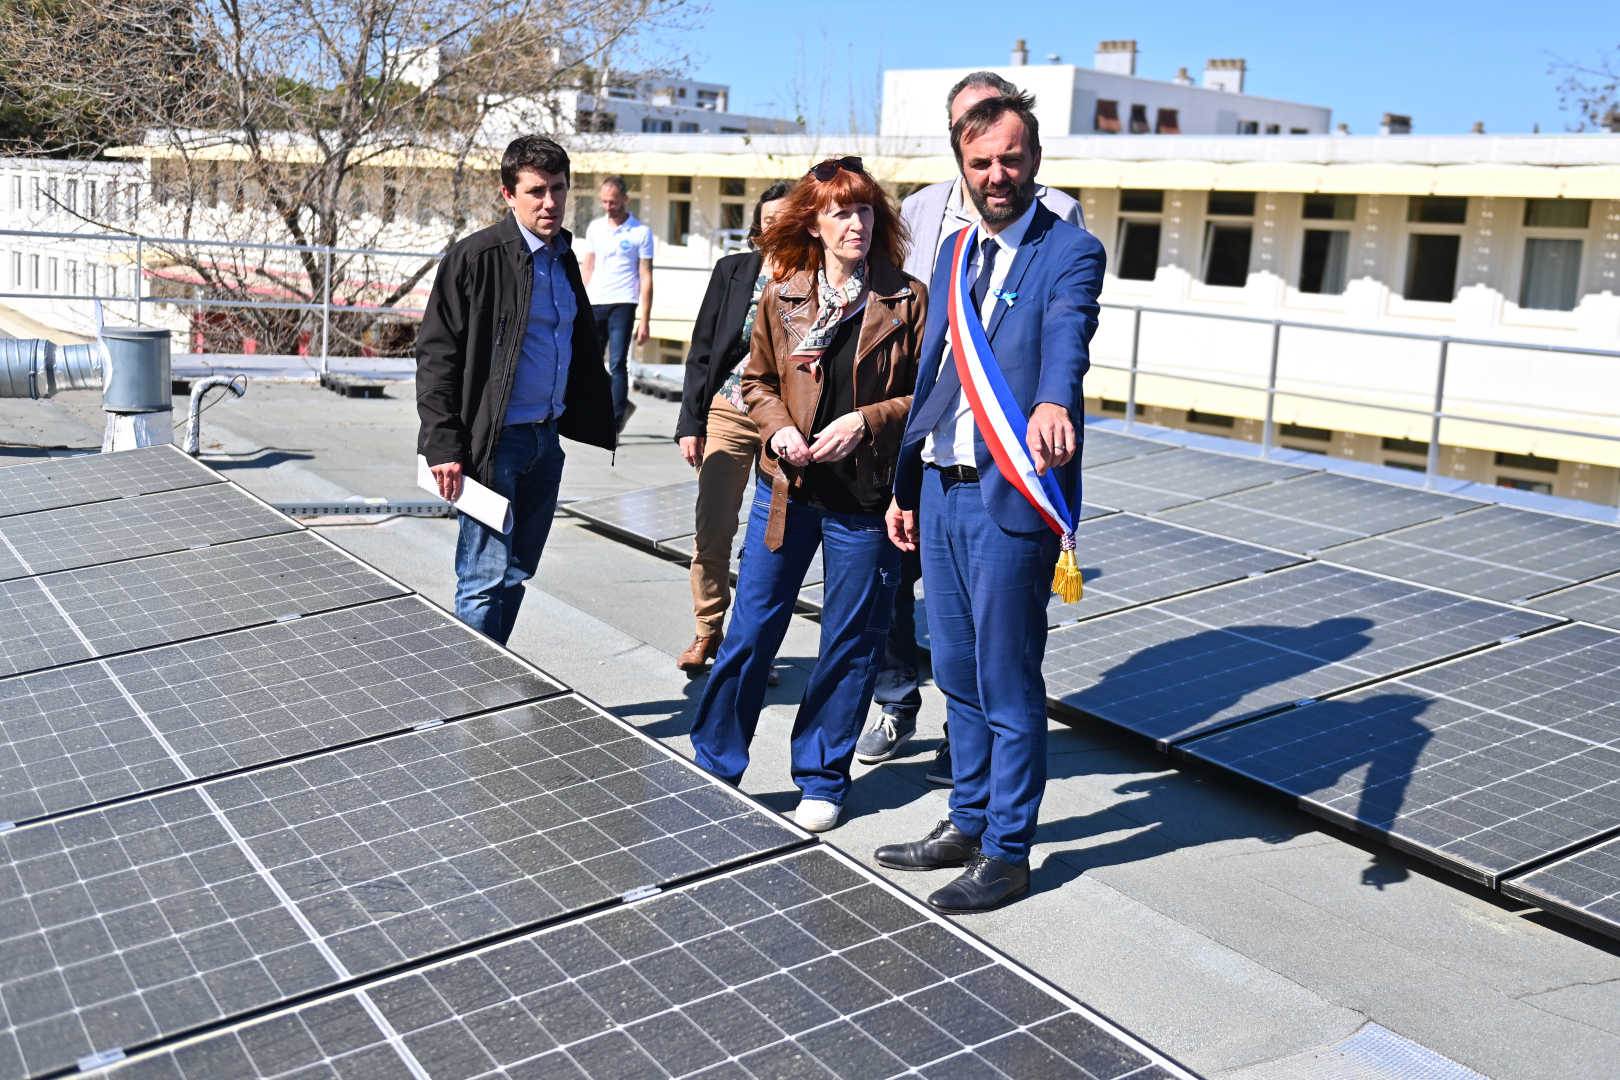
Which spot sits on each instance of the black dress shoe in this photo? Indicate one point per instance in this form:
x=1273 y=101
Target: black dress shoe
x=986 y=883
x=945 y=846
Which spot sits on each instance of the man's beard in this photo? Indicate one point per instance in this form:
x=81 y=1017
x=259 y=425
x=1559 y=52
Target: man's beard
x=1019 y=200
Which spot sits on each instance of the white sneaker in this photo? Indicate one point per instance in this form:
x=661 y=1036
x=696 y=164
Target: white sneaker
x=816 y=815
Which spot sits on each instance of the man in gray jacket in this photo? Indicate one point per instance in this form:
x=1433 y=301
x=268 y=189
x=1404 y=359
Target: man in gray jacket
x=933 y=214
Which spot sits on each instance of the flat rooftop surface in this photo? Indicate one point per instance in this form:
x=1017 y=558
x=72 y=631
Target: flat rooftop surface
x=1218 y=922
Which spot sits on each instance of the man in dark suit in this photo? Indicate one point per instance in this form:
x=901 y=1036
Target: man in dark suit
x=507 y=363
x=987 y=553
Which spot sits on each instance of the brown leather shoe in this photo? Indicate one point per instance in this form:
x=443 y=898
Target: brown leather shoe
x=699 y=653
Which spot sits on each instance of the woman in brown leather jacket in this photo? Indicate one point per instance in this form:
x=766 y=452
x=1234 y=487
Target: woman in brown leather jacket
x=832 y=365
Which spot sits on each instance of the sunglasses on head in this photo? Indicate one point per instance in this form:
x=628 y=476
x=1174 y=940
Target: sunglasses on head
x=829 y=168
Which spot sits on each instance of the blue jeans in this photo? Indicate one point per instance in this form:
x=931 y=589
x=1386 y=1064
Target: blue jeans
x=863 y=571
x=897 y=682
x=490 y=567
x=613 y=325
x=987 y=593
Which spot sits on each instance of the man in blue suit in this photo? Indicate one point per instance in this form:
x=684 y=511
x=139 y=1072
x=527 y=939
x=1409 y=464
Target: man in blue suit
x=987 y=553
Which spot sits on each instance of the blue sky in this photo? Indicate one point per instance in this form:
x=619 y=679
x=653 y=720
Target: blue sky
x=1447 y=65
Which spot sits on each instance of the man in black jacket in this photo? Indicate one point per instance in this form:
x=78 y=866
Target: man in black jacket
x=506 y=363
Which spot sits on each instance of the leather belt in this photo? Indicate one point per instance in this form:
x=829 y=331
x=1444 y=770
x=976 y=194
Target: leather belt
x=964 y=473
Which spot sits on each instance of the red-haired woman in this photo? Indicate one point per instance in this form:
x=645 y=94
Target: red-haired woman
x=831 y=368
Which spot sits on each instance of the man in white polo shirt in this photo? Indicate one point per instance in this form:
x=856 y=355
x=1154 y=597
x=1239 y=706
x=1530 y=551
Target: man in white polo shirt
x=617 y=269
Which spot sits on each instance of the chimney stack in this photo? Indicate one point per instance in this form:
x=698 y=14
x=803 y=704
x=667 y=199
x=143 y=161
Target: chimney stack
x=1020 y=54
x=1225 y=75
x=1116 y=57
x=1182 y=78
x=1395 y=124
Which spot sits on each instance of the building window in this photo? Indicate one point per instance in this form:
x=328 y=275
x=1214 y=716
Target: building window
x=1231 y=203
x=1557 y=213
x=94 y=273
x=733 y=131
x=1273 y=129
x=1330 y=207
x=16 y=193
x=1107 y=119
x=1300 y=431
x=132 y=198
x=73 y=277
x=1226 y=254
x=34 y=183
x=1537 y=486
x=1141 y=201
x=597 y=120
x=1552 y=272
x=1322 y=264
x=1168 y=122
x=1431 y=267
x=16 y=270
x=688 y=128
x=34 y=260
x=680 y=220
x=1526 y=461
x=733 y=187
x=733 y=216
x=1210 y=419
x=52 y=196
x=1111 y=405
x=1405 y=446
x=54 y=282
x=1437 y=209
x=390 y=203
x=1139 y=120
x=1248 y=127
x=680 y=185
x=1138 y=250
x=649 y=126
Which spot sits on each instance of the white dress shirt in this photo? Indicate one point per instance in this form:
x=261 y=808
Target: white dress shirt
x=951 y=441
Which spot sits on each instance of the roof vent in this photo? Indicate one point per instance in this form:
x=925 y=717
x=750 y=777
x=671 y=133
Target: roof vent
x=1020 y=53
x=1225 y=75
x=1182 y=78
x=1395 y=124
x=1116 y=57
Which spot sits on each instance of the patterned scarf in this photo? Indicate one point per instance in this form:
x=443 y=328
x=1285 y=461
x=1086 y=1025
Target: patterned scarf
x=833 y=302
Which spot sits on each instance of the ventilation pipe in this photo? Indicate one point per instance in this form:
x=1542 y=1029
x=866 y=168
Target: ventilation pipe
x=34 y=368
x=1020 y=53
x=137 y=391
x=193 y=443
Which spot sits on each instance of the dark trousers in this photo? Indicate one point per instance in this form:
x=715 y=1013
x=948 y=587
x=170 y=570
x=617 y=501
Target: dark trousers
x=987 y=593
x=614 y=323
x=863 y=570
x=491 y=567
x=897 y=682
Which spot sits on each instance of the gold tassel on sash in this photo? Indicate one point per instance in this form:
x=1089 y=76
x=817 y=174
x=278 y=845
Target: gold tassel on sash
x=1066 y=581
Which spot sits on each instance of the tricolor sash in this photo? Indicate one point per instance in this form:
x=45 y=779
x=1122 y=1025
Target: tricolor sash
x=1000 y=421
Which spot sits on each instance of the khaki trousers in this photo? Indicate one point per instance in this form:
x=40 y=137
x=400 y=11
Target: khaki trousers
x=730 y=455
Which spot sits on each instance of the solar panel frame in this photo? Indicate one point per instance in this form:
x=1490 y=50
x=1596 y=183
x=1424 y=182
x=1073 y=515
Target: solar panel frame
x=87 y=478
x=1596 y=601
x=1315 y=511
x=1102 y=447
x=646 y=515
x=1210 y=659
x=1498 y=553
x=1161 y=481
x=115 y=728
x=806 y=965
x=1482 y=791
x=77 y=536
x=1583 y=887
x=1127 y=560
x=119 y=607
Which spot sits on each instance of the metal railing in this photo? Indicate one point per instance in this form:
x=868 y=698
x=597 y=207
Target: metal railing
x=1436 y=415
x=141 y=298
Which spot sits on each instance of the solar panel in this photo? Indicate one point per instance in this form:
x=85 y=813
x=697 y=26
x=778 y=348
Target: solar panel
x=1317 y=511
x=1160 y=481
x=117 y=607
x=807 y=966
x=204 y=903
x=1208 y=660
x=1101 y=447
x=1481 y=790
x=85 y=734
x=76 y=536
x=1584 y=887
x=1595 y=602
x=1500 y=553
x=647 y=515
x=1127 y=560
x=88 y=478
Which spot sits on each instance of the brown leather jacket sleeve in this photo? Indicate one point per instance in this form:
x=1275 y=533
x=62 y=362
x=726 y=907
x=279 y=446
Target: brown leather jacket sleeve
x=762 y=379
x=886 y=420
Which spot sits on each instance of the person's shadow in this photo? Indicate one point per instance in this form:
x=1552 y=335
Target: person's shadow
x=1173 y=689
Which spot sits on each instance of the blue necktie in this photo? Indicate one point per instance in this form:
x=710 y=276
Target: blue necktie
x=940 y=398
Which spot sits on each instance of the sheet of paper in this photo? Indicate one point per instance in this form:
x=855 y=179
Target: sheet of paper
x=477 y=501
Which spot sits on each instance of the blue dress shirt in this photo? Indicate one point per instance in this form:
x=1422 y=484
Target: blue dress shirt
x=541 y=380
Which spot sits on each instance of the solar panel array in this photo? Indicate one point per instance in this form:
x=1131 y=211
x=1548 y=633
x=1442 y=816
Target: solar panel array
x=1430 y=669
x=269 y=813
